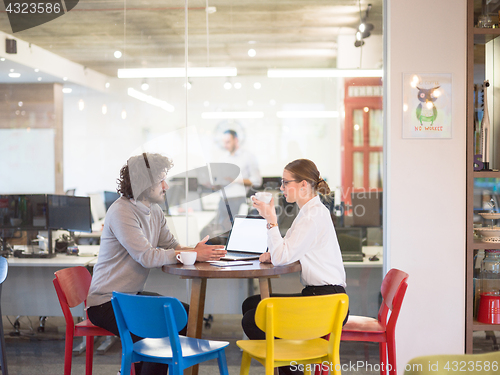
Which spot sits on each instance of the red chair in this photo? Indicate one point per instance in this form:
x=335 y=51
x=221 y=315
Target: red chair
x=381 y=330
x=72 y=286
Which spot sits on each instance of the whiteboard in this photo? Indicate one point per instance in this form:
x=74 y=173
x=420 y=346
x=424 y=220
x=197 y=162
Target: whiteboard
x=27 y=161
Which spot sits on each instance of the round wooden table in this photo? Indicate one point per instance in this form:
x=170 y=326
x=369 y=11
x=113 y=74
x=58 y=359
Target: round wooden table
x=201 y=271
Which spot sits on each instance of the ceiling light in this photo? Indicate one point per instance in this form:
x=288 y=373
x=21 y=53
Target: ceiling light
x=117 y=54
x=14 y=75
x=257 y=85
x=104 y=109
x=323 y=73
x=67 y=90
x=150 y=100
x=235 y=115
x=144 y=86
x=364 y=28
x=252 y=52
x=39 y=78
x=2 y=59
x=81 y=104
x=228 y=85
x=124 y=114
x=65 y=78
x=188 y=85
x=237 y=85
x=20 y=104
x=107 y=84
x=307 y=114
x=37 y=70
x=210 y=10
x=176 y=72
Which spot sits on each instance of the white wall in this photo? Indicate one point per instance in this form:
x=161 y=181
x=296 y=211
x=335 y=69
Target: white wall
x=425 y=219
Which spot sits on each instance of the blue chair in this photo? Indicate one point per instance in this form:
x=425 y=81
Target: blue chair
x=159 y=319
x=4 y=266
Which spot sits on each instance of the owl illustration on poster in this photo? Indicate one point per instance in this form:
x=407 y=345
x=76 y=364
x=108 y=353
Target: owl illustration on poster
x=427 y=106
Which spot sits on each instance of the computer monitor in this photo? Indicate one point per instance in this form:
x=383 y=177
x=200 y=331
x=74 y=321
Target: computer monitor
x=271 y=182
x=69 y=213
x=110 y=197
x=350 y=242
x=36 y=212
x=23 y=211
x=367 y=209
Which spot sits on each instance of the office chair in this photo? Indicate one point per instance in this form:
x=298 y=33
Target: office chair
x=299 y=323
x=381 y=330
x=4 y=267
x=72 y=286
x=159 y=319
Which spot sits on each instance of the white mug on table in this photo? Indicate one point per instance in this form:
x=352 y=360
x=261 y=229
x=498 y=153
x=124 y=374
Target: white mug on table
x=187 y=257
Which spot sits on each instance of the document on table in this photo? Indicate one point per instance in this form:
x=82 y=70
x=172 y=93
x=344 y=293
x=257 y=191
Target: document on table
x=221 y=263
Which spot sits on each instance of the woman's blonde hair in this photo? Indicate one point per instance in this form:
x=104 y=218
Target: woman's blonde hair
x=305 y=169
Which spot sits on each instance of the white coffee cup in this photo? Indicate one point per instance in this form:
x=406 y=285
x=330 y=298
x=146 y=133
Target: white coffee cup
x=263 y=196
x=187 y=257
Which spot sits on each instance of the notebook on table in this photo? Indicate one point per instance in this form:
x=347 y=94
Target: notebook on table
x=247 y=239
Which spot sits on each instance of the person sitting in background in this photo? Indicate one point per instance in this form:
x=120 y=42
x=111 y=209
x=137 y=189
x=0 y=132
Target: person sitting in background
x=311 y=240
x=135 y=239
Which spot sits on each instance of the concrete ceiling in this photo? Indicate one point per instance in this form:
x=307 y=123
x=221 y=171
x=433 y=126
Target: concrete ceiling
x=149 y=33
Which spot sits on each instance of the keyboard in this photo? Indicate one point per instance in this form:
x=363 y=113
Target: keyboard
x=237 y=256
x=352 y=257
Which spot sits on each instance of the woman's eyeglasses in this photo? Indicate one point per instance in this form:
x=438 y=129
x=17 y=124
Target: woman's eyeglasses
x=285 y=182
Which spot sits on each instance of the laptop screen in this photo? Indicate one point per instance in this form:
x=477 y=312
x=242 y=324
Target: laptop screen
x=249 y=234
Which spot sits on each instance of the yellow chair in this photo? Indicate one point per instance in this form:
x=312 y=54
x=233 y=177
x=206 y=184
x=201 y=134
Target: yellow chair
x=299 y=323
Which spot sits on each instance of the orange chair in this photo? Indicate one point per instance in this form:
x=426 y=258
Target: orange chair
x=381 y=330
x=72 y=286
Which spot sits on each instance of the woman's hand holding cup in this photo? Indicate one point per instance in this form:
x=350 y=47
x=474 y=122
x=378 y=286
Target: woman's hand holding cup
x=264 y=203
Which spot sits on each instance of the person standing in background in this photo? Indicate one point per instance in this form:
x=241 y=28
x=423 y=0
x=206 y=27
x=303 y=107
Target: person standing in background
x=234 y=194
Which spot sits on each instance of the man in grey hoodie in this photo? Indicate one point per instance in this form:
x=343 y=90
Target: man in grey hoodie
x=136 y=238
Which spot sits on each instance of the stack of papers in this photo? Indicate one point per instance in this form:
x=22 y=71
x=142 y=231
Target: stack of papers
x=221 y=263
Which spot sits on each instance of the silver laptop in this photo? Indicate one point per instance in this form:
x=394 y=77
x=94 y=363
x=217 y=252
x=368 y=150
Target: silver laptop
x=247 y=239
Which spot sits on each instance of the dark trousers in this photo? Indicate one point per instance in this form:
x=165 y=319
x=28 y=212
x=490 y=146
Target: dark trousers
x=103 y=316
x=250 y=305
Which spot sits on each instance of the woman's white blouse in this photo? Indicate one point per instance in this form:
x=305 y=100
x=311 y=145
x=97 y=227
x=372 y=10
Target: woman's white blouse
x=311 y=240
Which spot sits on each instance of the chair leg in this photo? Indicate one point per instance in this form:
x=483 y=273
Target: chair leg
x=245 y=363
x=382 y=350
x=3 y=356
x=221 y=359
x=127 y=367
x=68 y=352
x=270 y=369
x=391 y=353
x=89 y=354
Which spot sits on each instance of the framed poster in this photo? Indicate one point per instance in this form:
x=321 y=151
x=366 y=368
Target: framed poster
x=426 y=105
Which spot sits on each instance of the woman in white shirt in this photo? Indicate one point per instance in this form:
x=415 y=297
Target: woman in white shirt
x=311 y=239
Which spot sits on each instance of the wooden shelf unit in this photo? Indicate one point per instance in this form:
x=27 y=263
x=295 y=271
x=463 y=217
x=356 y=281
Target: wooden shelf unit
x=475 y=36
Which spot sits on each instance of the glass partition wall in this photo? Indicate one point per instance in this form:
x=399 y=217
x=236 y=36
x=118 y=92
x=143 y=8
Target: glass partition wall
x=267 y=82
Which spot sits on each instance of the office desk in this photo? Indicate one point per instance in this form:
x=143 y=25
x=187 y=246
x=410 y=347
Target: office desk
x=201 y=271
x=28 y=289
